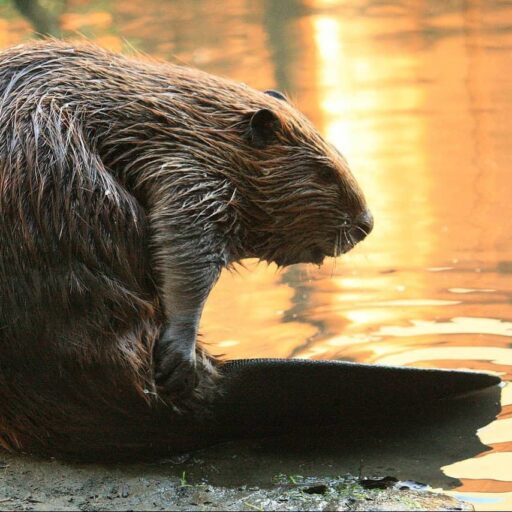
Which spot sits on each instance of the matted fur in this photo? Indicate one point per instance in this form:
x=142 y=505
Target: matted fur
x=99 y=155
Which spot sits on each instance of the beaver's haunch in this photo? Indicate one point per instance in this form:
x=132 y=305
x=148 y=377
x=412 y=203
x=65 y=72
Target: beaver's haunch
x=125 y=188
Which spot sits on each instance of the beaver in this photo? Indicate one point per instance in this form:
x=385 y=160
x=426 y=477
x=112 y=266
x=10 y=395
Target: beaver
x=126 y=186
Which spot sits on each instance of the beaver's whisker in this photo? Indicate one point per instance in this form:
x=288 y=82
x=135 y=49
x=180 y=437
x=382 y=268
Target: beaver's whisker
x=335 y=253
x=340 y=242
x=365 y=233
x=346 y=237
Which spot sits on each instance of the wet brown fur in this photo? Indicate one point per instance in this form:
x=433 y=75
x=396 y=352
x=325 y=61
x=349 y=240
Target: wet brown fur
x=104 y=162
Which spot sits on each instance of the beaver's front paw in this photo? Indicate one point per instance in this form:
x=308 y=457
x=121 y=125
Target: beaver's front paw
x=176 y=372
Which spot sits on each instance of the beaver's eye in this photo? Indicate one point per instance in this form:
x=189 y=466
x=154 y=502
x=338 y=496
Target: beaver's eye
x=327 y=175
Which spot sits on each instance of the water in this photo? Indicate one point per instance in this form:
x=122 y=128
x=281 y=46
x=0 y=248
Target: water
x=418 y=96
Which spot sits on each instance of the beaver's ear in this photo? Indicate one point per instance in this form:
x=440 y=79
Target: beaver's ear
x=264 y=127
x=276 y=94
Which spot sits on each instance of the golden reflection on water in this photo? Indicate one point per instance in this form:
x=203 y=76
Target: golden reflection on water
x=418 y=97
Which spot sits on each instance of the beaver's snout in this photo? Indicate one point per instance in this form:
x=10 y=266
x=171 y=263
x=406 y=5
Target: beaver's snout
x=361 y=227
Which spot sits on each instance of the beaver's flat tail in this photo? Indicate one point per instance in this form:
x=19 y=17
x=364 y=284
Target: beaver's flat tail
x=263 y=396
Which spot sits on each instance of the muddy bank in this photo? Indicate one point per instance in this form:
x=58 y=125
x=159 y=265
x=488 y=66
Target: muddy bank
x=373 y=460
x=31 y=484
x=325 y=470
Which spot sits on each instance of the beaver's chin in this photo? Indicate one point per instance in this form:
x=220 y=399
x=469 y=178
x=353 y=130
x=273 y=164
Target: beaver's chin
x=314 y=255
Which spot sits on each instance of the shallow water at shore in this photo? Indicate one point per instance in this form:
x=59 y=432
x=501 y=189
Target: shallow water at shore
x=418 y=97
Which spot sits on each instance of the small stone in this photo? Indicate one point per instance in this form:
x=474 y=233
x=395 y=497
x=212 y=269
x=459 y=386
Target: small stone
x=316 y=489
x=378 y=483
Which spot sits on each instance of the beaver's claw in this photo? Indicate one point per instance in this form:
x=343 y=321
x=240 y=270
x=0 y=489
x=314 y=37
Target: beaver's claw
x=175 y=367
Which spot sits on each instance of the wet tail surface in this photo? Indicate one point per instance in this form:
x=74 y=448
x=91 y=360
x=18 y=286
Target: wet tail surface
x=263 y=396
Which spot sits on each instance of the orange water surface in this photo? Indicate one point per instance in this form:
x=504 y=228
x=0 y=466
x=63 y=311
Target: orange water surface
x=418 y=96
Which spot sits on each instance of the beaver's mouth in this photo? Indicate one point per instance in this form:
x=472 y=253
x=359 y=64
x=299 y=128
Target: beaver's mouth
x=317 y=253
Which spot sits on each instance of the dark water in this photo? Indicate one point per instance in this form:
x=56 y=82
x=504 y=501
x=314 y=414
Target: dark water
x=418 y=96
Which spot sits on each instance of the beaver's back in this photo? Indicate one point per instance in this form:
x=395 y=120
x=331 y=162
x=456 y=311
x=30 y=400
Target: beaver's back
x=102 y=84
x=66 y=69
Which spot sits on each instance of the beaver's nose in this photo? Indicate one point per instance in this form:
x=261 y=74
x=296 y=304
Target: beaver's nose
x=362 y=226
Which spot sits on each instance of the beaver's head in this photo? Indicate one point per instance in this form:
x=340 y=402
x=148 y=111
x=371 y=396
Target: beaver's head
x=305 y=203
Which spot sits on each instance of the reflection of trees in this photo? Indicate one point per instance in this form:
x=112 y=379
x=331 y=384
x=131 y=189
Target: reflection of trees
x=44 y=18
x=276 y=20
